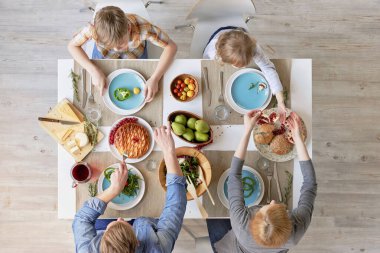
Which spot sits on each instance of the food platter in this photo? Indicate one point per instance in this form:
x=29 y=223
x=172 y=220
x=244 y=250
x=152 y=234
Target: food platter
x=142 y=123
x=129 y=80
x=246 y=90
x=278 y=147
x=254 y=197
x=122 y=201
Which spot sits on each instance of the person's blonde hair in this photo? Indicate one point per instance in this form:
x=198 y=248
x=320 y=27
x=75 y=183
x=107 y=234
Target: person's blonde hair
x=271 y=228
x=235 y=47
x=111 y=26
x=118 y=238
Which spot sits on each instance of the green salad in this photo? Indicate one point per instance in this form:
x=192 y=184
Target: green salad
x=131 y=186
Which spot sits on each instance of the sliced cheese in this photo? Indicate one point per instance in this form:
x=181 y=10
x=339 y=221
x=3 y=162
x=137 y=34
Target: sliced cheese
x=81 y=139
x=75 y=150
x=68 y=113
x=64 y=134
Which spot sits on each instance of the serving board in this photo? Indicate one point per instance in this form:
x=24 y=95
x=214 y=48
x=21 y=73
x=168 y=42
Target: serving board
x=55 y=128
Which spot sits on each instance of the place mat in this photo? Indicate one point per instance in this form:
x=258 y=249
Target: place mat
x=221 y=161
x=154 y=198
x=283 y=67
x=152 y=112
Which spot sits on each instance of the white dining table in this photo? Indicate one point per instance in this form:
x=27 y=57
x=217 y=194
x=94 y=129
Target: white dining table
x=224 y=136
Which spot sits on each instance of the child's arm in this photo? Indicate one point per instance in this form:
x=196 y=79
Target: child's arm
x=79 y=55
x=166 y=59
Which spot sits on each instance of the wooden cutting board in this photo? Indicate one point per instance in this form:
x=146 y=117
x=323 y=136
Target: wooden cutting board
x=56 y=129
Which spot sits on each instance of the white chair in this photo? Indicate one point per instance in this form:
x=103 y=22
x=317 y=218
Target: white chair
x=128 y=6
x=206 y=16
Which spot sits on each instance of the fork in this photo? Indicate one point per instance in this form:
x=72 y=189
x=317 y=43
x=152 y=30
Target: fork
x=91 y=96
x=193 y=193
x=269 y=177
x=221 y=98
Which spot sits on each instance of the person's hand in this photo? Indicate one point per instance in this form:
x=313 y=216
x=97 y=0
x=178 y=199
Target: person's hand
x=99 y=80
x=295 y=125
x=250 y=119
x=164 y=139
x=151 y=89
x=281 y=110
x=118 y=179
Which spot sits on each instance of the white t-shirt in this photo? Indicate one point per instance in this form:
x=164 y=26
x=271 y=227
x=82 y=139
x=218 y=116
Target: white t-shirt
x=261 y=60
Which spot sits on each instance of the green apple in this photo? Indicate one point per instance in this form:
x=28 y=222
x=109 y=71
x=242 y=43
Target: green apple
x=181 y=119
x=188 y=135
x=191 y=123
x=178 y=128
x=201 y=137
x=202 y=126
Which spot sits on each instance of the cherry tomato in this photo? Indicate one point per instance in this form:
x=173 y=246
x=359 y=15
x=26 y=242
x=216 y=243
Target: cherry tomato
x=179 y=81
x=179 y=94
x=181 y=89
x=175 y=91
x=178 y=86
x=191 y=81
x=183 y=85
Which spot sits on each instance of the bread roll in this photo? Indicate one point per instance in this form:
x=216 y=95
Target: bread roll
x=280 y=145
x=264 y=134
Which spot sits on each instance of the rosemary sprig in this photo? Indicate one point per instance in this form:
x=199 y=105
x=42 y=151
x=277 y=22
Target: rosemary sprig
x=288 y=188
x=75 y=79
x=92 y=189
x=91 y=131
x=252 y=86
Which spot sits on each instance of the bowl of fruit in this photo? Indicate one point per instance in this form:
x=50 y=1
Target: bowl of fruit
x=190 y=127
x=184 y=87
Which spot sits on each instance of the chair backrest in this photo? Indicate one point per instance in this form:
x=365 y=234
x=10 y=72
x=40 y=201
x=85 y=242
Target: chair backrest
x=217 y=9
x=205 y=28
x=209 y=15
x=128 y=6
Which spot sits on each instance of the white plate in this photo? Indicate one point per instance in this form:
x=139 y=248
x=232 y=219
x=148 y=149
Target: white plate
x=223 y=178
x=132 y=203
x=107 y=100
x=228 y=94
x=116 y=153
x=264 y=149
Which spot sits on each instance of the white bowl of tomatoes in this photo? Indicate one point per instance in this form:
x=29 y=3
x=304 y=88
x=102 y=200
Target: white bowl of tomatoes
x=184 y=87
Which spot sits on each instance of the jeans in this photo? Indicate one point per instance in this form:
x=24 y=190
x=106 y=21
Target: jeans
x=217 y=229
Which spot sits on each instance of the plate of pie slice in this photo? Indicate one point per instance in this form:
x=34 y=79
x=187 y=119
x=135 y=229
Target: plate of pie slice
x=132 y=136
x=274 y=140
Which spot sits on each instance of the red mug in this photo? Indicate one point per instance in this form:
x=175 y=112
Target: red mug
x=80 y=173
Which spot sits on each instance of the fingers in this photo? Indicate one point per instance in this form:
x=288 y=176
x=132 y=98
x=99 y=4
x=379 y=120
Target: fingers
x=254 y=113
x=148 y=96
x=168 y=128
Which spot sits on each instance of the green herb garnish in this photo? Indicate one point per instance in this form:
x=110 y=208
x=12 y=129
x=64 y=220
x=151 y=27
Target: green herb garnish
x=92 y=189
x=122 y=94
x=288 y=188
x=189 y=168
x=131 y=186
x=91 y=131
x=253 y=85
x=75 y=79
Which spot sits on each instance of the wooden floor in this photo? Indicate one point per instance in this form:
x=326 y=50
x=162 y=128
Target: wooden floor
x=342 y=37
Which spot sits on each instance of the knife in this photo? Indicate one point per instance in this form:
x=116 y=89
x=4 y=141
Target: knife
x=84 y=97
x=275 y=175
x=208 y=91
x=63 y=122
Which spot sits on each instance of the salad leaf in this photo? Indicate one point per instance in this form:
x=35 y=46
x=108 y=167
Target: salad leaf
x=131 y=187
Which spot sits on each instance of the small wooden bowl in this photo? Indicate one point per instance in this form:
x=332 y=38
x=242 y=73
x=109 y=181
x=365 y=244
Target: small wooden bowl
x=203 y=162
x=182 y=77
x=188 y=115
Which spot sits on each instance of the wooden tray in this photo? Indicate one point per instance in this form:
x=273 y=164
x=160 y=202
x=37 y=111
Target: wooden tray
x=54 y=128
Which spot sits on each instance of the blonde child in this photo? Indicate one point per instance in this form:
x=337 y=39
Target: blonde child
x=269 y=228
x=122 y=36
x=232 y=45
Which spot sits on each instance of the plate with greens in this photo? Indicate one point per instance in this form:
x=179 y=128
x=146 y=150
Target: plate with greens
x=191 y=162
x=133 y=191
x=247 y=89
x=253 y=186
x=125 y=92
